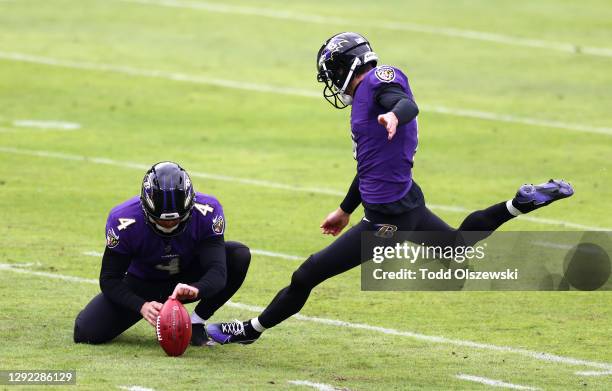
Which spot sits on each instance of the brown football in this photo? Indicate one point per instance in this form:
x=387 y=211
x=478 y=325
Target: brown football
x=173 y=328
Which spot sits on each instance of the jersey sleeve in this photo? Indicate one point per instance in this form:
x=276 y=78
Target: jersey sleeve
x=210 y=218
x=384 y=75
x=117 y=232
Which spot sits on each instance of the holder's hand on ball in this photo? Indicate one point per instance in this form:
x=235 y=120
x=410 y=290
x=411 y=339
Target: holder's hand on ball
x=185 y=292
x=150 y=311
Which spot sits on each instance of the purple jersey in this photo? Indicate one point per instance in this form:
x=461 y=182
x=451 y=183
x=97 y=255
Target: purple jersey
x=155 y=257
x=384 y=167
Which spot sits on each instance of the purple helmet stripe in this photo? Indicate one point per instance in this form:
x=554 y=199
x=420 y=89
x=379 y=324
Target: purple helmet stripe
x=172 y=194
x=165 y=207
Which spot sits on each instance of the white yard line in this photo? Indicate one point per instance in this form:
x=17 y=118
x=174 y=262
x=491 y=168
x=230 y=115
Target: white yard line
x=558 y=246
x=269 y=184
x=483 y=115
x=135 y=388
x=26 y=264
x=378 y=24
x=48 y=124
x=494 y=383
x=10 y=267
x=316 y=386
x=277 y=255
x=437 y=339
x=265 y=253
x=547 y=357
x=265 y=88
x=594 y=373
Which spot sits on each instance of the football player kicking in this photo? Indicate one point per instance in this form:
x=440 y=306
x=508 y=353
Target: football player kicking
x=166 y=242
x=384 y=133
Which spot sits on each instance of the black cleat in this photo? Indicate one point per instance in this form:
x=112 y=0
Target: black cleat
x=531 y=197
x=199 y=336
x=232 y=332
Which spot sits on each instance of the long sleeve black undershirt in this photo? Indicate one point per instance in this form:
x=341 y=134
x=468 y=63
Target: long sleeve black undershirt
x=212 y=261
x=115 y=265
x=392 y=98
x=353 y=197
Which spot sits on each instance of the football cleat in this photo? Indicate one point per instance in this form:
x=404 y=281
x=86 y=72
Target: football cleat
x=531 y=197
x=232 y=332
x=199 y=336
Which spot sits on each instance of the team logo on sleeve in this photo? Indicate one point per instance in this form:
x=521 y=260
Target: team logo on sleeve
x=112 y=239
x=218 y=225
x=385 y=73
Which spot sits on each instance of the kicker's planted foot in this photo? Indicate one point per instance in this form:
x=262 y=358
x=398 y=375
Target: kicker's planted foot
x=233 y=332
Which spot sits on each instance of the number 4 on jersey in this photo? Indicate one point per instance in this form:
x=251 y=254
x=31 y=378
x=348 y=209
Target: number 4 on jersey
x=124 y=223
x=204 y=208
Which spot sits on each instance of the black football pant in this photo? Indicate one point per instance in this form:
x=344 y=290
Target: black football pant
x=102 y=320
x=345 y=252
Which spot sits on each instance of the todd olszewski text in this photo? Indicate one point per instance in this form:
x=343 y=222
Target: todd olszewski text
x=445 y=274
x=406 y=252
x=486 y=261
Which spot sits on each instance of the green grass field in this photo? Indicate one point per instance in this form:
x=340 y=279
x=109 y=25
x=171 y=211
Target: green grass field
x=229 y=89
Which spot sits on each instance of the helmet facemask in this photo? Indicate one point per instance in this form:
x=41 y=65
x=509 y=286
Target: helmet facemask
x=338 y=61
x=336 y=89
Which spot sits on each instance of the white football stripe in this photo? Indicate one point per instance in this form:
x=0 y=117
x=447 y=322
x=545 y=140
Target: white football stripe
x=316 y=386
x=494 y=383
x=388 y=331
x=273 y=185
x=264 y=88
x=378 y=24
x=60 y=125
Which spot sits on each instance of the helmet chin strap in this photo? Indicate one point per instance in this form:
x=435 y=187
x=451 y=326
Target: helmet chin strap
x=346 y=98
x=164 y=229
x=339 y=94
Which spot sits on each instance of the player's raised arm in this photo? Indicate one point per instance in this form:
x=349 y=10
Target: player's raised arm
x=402 y=108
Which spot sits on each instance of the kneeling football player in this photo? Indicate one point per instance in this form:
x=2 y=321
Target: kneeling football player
x=166 y=242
